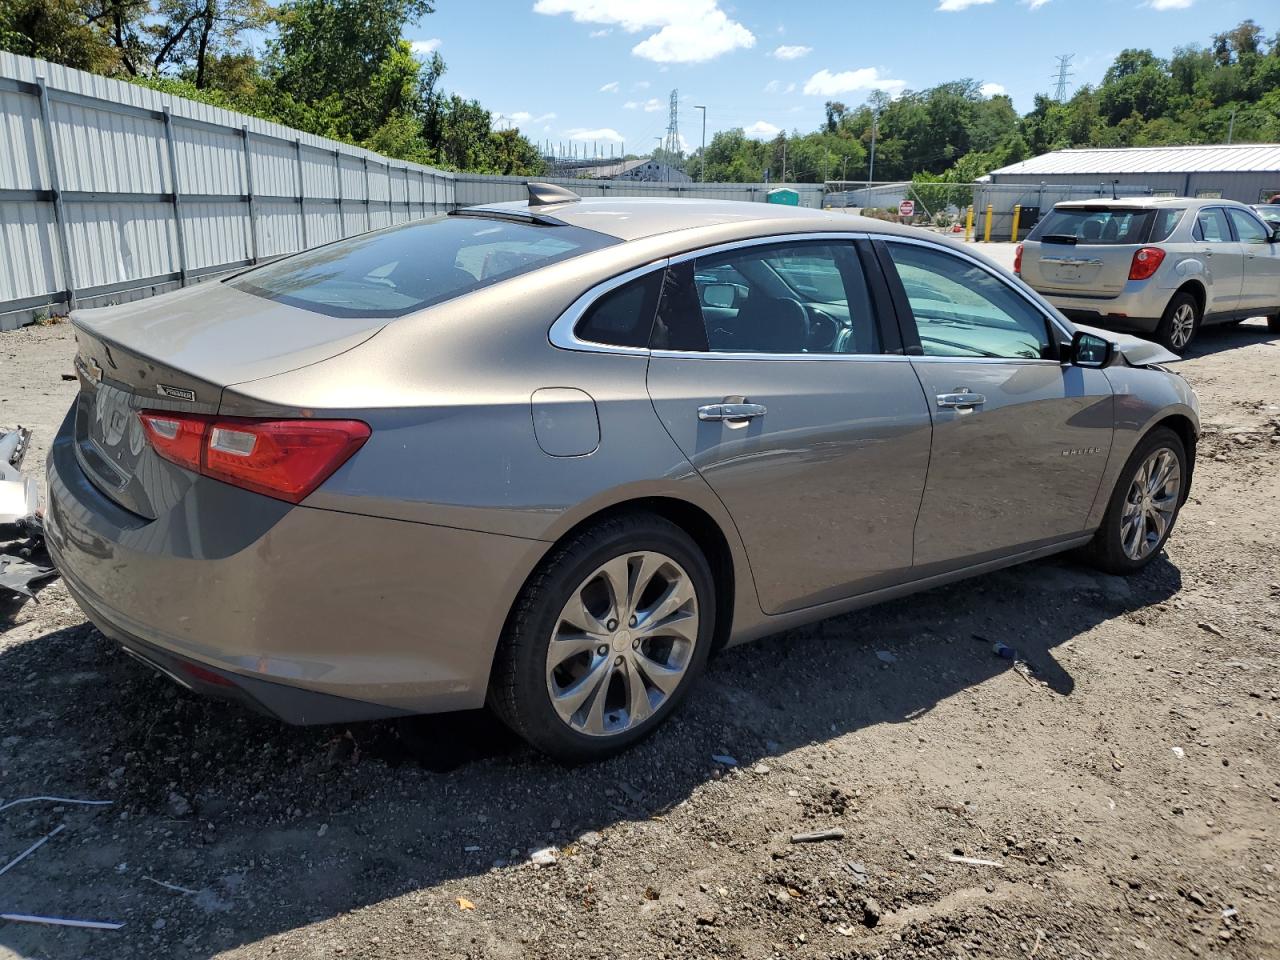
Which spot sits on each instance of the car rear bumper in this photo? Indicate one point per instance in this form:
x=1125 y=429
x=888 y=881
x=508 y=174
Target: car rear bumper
x=312 y=615
x=1138 y=307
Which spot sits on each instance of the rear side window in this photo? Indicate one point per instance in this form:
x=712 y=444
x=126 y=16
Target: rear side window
x=802 y=297
x=623 y=317
x=396 y=271
x=1211 y=226
x=1094 y=225
x=1163 y=225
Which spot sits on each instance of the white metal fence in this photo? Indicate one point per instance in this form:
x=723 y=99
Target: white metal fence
x=110 y=191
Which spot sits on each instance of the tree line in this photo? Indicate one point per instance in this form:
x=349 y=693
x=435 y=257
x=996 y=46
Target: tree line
x=335 y=68
x=1229 y=89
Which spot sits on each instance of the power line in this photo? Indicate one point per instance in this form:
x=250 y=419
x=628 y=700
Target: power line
x=1063 y=75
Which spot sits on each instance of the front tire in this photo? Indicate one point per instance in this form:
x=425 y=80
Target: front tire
x=1180 y=323
x=1144 y=505
x=606 y=639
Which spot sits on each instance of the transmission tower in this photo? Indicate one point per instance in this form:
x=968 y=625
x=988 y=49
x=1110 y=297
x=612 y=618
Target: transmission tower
x=672 y=143
x=1063 y=76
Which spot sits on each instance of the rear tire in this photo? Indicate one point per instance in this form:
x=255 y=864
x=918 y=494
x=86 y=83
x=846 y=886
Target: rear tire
x=1273 y=323
x=1139 y=518
x=583 y=672
x=1180 y=323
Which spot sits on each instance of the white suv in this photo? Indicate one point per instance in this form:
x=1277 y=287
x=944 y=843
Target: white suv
x=1156 y=266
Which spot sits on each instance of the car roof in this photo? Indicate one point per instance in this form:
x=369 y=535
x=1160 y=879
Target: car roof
x=632 y=218
x=1144 y=203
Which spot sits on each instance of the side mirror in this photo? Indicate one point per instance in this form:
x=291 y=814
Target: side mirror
x=1091 y=350
x=719 y=295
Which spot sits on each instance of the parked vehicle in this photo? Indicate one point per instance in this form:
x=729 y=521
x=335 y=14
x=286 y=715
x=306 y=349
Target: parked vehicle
x=1162 y=267
x=548 y=456
x=1269 y=212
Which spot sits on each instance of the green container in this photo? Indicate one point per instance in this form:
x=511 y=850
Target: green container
x=783 y=195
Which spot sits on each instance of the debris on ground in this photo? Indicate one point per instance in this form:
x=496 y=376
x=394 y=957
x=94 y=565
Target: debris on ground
x=817 y=836
x=61 y=921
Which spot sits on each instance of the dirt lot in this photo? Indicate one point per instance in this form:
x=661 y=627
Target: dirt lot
x=1130 y=794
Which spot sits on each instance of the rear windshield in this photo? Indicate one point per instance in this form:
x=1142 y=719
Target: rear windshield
x=1100 y=225
x=395 y=271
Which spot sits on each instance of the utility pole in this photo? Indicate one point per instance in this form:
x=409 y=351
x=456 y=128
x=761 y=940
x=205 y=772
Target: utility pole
x=702 y=169
x=875 y=122
x=784 y=159
x=672 y=144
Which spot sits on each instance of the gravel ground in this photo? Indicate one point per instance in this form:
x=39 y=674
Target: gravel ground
x=1128 y=793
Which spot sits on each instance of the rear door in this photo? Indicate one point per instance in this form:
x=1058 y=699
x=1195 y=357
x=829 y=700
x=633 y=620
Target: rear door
x=1019 y=440
x=788 y=403
x=1223 y=258
x=1085 y=251
x=1260 y=284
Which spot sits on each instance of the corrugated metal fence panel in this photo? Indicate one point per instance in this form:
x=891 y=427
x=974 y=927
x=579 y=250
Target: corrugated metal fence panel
x=23 y=153
x=28 y=245
x=105 y=151
x=279 y=230
x=471 y=189
x=215 y=233
x=209 y=161
x=116 y=242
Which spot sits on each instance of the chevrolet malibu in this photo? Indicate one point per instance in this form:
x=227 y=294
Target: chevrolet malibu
x=549 y=455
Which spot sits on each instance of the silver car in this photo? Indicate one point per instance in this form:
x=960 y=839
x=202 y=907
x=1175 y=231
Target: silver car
x=548 y=456
x=1158 y=266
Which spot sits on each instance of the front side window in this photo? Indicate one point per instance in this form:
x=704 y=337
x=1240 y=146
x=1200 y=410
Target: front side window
x=961 y=310
x=396 y=271
x=803 y=297
x=1211 y=226
x=1248 y=229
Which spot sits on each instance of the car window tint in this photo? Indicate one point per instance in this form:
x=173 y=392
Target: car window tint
x=1211 y=226
x=785 y=298
x=391 y=272
x=623 y=317
x=1248 y=229
x=1165 y=222
x=961 y=310
x=1094 y=225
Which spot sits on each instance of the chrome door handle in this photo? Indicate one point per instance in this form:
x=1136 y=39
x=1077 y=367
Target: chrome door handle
x=961 y=400
x=731 y=411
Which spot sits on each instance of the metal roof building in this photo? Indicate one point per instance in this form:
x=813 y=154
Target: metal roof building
x=1248 y=172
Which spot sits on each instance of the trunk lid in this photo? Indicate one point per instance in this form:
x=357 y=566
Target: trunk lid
x=178 y=352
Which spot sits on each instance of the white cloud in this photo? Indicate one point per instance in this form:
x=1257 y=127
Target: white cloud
x=601 y=133
x=652 y=105
x=687 y=31
x=1171 y=4
x=992 y=90
x=610 y=87
x=762 y=130
x=597 y=34
x=951 y=6
x=425 y=48
x=641 y=85
x=524 y=116
x=777 y=86
x=1035 y=4
x=824 y=83
x=791 y=52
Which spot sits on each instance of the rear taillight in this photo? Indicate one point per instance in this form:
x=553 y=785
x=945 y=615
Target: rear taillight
x=1145 y=263
x=1017 y=259
x=285 y=459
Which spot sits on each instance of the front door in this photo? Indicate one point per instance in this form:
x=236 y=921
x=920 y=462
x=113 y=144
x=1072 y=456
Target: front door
x=1019 y=440
x=779 y=394
x=1260 y=290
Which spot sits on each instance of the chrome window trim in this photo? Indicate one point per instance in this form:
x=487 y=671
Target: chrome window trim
x=964 y=255
x=807 y=357
x=562 y=333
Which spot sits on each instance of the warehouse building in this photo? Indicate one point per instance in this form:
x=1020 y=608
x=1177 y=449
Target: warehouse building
x=1249 y=172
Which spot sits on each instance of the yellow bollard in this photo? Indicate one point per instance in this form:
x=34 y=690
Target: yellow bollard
x=968 y=225
x=1017 y=215
x=986 y=232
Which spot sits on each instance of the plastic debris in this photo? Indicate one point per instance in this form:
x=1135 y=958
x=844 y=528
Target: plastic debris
x=32 y=849
x=18 y=574
x=976 y=861
x=1178 y=752
x=19 y=494
x=817 y=836
x=1004 y=651
x=465 y=904
x=724 y=759
x=87 y=803
x=61 y=921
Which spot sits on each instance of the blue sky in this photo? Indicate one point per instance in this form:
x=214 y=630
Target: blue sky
x=601 y=71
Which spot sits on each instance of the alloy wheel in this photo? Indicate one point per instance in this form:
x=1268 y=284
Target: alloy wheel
x=1150 y=504
x=1183 y=326
x=622 y=643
